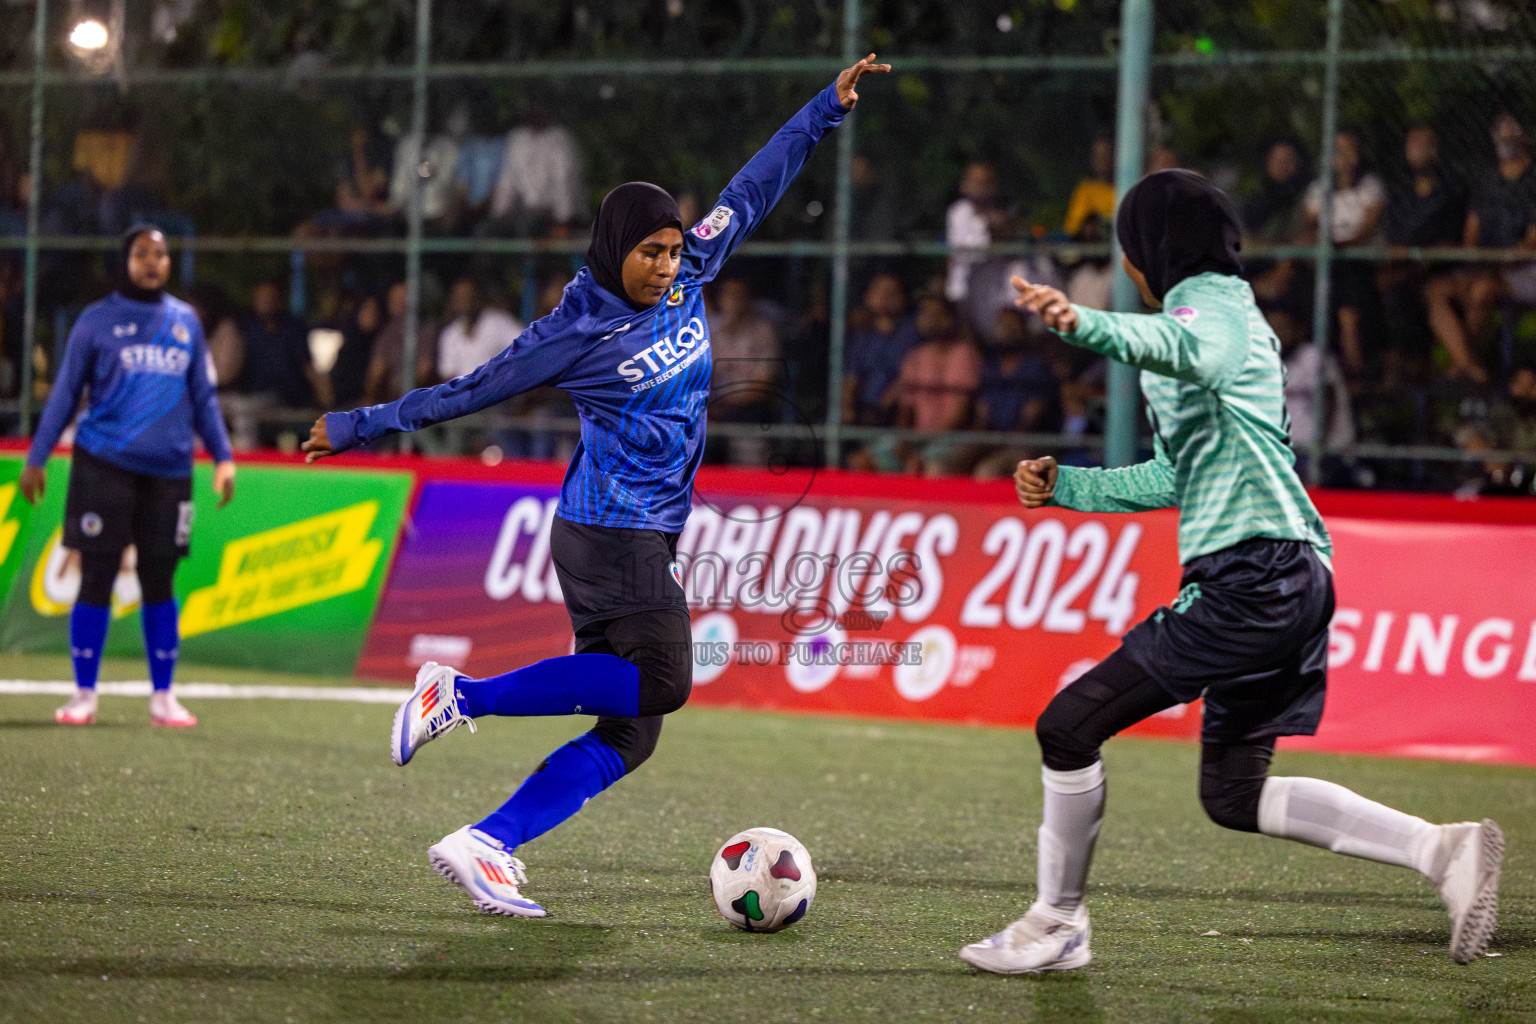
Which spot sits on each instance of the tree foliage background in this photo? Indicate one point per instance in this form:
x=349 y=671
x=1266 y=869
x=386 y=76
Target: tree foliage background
x=258 y=158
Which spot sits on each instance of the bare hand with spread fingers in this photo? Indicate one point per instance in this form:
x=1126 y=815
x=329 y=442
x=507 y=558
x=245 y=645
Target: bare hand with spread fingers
x=846 y=94
x=1049 y=304
x=1035 y=481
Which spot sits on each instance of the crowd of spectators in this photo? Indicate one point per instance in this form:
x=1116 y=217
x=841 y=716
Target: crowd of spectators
x=929 y=348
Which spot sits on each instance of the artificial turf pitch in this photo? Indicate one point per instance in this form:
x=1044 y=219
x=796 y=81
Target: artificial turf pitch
x=270 y=866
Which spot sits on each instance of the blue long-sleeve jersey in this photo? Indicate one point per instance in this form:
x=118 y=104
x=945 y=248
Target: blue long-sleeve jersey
x=640 y=380
x=146 y=364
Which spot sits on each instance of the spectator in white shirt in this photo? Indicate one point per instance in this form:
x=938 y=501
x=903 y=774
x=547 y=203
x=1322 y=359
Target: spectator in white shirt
x=1359 y=200
x=436 y=171
x=540 y=192
x=475 y=331
x=975 y=221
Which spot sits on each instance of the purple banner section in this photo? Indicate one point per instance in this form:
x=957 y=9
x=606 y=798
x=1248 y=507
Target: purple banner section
x=473 y=585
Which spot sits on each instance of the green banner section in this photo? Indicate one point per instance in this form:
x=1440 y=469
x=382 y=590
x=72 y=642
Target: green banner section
x=285 y=577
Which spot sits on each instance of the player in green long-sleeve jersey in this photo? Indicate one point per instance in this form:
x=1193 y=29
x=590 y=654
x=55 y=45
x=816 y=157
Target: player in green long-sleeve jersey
x=1249 y=628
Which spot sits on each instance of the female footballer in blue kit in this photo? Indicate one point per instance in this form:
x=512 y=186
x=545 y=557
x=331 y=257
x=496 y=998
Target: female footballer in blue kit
x=630 y=343
x=142 y=356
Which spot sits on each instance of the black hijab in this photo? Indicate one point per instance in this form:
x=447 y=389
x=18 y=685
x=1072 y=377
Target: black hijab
x=629 y=215
x=125 y=283
x=1173 y=225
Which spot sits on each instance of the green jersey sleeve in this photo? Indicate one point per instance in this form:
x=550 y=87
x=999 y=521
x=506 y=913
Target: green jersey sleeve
x=1139 y=488
x=1204 y=348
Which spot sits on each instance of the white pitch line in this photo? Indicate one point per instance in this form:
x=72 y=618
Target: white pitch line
x=216 y=691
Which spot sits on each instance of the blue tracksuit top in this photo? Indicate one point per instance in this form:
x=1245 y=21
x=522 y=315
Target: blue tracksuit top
x=146 y=365
x=640 y=380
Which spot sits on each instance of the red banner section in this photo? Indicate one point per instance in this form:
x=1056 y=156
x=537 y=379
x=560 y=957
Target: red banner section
x=945 y=600
x=1434 y=642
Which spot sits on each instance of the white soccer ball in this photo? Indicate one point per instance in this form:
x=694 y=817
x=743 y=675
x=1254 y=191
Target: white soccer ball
x=762 y=880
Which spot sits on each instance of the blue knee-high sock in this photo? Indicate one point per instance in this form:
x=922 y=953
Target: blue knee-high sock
x=566 y=780
x=87 y=632
x=162 y=640
x=577 y=684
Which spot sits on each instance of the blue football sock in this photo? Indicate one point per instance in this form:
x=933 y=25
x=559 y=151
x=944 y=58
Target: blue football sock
x=162 y=639
x=577 y=684
x=87 y=632
x=566 y=780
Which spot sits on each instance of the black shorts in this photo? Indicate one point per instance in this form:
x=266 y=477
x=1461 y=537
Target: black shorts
x=109 y=507
x=609 y=571
x=1249 y=633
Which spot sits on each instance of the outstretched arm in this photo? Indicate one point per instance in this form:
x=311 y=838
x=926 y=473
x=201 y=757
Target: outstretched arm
x=1206 y=348
x=539 y=356
x=757 y=187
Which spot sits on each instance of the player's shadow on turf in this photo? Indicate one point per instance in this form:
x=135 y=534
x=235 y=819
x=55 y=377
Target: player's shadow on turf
x=540 y=953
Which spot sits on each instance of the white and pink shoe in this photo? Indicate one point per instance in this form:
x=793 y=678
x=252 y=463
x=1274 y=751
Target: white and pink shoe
x=166 y=710
x=80 y=710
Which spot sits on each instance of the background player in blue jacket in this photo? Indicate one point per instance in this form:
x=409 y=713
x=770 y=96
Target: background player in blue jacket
x=142 y=356
x=630 y=343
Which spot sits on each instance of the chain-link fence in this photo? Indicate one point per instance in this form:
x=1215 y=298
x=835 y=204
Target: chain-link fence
x=342 y=181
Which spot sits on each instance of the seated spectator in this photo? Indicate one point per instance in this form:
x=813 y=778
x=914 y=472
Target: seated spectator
x=1094 y=196
x=882 y=335
x=277 y=364
x=541 y=403
x=475 y=330
x=747 y=363
x=1501 y=215
x=383 y=380
x=876 y=211
x=1019 y=392
x=1273 y=216
x=362 y=208
x=1164 y=157
x=1427 y=208
x=359 y=320
x=1302 y=376
x=974 y=221
x=1090 y=280
x=440 y=202
x=477 y=170
x=226 y=345
x=938 y=387
x=1359 y=200
x=539 y=193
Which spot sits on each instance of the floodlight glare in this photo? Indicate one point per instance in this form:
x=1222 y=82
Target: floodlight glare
x=89 y=34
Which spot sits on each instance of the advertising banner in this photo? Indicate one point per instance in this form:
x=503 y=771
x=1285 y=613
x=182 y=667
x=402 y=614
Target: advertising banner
x=1433 y=652
x=805 y=599
x=285 y=577
x=15 y=515
x=947 y=601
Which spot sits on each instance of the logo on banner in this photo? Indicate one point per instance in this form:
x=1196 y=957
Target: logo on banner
x=814 y=662
x=288 y=567
x=926 y=675
x=714 y=638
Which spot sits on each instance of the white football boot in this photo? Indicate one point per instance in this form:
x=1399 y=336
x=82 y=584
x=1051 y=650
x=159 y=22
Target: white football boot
x=431 y=710
x=1472 y=853
x=1038 y=941
x=80 y=709
x=488 y=874
x=166 y=710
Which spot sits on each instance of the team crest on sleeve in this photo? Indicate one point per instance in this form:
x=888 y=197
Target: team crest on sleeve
x=675 y=296
x=718 y=220
x=1184 y=315
x=180 y=333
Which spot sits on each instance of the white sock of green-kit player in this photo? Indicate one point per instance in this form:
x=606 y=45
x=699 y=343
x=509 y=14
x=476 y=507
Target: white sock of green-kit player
x=1074 y=809
x=1323 y=814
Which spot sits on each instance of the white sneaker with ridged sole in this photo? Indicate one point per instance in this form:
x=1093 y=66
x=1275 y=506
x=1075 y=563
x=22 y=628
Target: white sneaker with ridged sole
x=488 y=874
x=79 y=710
x=1038 y=941
x=431 y=710
x=1473 y=853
